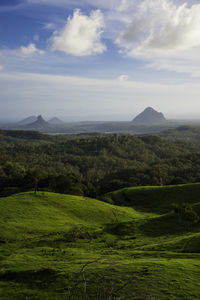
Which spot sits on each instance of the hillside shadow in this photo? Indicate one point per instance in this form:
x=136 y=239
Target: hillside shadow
x=168 y=224
x=156 y=199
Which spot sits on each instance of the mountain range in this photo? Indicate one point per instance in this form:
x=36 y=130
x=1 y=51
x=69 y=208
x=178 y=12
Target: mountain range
x=148 y=121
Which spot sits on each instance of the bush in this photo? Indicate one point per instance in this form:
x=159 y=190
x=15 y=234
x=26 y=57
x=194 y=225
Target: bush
x=186 y=212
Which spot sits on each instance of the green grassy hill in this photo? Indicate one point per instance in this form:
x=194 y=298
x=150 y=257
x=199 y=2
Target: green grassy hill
x=158 y=199
x=30 y=215
x=55 y=246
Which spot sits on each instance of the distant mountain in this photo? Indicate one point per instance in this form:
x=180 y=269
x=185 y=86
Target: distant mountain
x=40 y=123
x=149 y=116
x=28 y=120
x=55 y=121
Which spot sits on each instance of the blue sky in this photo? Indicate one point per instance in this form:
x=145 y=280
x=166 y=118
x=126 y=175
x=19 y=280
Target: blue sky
x=105 y=60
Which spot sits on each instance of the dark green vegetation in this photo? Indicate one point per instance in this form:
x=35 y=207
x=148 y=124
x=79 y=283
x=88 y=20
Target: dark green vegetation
x=92 y=165
x=55 y=246
x=155 y=199
x=184 y=132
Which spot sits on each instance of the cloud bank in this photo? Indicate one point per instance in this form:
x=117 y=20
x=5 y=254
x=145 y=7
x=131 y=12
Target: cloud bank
x=163 y=28
x=165 y=34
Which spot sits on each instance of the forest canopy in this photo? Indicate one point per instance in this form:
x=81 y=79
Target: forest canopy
x=93 y=165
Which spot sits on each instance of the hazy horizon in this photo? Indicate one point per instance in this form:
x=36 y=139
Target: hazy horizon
x=99 y=118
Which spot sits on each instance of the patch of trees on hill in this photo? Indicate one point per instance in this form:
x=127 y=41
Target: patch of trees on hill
x=92 y=166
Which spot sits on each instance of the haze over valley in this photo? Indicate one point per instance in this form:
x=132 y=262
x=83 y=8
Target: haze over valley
x=148 y=121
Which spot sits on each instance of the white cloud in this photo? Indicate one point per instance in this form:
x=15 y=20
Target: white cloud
x=123 y=78
x=81 y=36
x=165 y=34
x=30 y=49
x=49 y=26
x=1 y=67
x=187 y=62
x=162 y=27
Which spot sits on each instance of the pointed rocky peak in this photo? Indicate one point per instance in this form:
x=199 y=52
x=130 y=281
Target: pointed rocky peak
x=39 y=123
x=149 y=116
x=150 y=109
x=40 y=120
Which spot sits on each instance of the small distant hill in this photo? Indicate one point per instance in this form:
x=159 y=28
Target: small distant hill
x=149 y=116
x=55 y=121
x=40 y=123
x=28 y=120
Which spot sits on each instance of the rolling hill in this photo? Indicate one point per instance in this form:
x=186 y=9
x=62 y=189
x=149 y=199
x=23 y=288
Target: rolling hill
x=158 y=199
x=55 y=246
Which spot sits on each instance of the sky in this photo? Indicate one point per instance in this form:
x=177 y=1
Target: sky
x=99 y=59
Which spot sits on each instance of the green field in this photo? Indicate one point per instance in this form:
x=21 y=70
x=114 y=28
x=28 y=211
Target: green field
x=55 y=246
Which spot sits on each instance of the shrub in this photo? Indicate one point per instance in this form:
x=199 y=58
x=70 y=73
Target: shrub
x=186 y=212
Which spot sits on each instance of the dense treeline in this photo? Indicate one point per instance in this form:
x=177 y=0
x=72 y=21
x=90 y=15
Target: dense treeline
x=93 y=165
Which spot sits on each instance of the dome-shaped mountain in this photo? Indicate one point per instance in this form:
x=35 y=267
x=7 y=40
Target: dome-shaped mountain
x=28 y=120
x=55 y=121
x=149 y=116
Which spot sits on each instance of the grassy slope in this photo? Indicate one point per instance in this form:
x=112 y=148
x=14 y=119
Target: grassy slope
x=44 y=213
x=158 y=199
x=45 y=240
